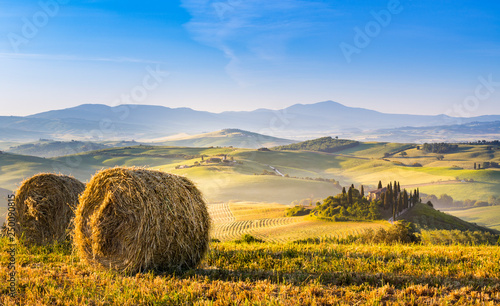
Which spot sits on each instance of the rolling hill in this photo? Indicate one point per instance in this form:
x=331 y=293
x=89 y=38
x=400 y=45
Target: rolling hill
x=284 y=176
x=427 y=218
x=488 y=216
x=228 y=137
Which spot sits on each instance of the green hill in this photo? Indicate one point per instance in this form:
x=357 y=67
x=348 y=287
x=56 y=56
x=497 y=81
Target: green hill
x=488 y=216
x=226 y=138
x=324 y=144
x=243 y=178
x=49 y=148
x=428 y=218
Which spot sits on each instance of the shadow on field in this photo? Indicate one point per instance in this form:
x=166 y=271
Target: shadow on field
x=344 y=278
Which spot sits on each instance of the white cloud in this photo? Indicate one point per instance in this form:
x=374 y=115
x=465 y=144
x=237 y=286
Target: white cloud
x=253 y=33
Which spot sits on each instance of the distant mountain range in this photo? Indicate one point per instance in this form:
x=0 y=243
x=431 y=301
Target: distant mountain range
x=94 y=122
x=444 y=133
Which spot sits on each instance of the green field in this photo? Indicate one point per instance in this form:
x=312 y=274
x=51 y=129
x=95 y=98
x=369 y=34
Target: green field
x=486 y=216
x=242 y=180
x=268 y=222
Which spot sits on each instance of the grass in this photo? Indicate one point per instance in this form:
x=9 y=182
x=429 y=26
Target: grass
x=243 y=211
x=486 y=216
x=269 y=274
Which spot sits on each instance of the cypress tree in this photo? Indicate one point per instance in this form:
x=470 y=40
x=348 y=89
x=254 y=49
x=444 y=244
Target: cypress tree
x=343 y=191
x=379 y=185
x=349 y=195
x=362 y=192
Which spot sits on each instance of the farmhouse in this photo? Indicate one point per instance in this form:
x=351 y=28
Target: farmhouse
x=375 y=194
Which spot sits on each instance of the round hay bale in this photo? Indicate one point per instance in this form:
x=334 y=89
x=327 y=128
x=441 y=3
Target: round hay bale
x=45 y=206
x=133 y=220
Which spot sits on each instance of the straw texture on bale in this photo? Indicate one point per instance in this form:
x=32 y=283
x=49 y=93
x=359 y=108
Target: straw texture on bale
x=133 y=220
x=45 y=207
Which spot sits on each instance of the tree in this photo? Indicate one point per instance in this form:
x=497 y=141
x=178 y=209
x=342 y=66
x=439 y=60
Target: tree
x=440 y=157
x=379 y=185
x=343 y=191
x=362 y=192
x=403 y=154
x=349 y=196
x=475 y=166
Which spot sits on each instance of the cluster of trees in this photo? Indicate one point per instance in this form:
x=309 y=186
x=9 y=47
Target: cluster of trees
x=486 y=165
x=485 y=142
x=295 y=211
x=319 y=179
x=397 y=200
x=324 y=144
x=400 y=232
x=446 y=201
x=449 y=237
x=266 y=172
x=351 y=204
x=442 y=147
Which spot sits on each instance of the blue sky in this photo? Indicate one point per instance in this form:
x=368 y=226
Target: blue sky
x=419 y=57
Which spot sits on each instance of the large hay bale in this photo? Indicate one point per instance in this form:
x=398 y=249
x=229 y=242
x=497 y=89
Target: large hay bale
x=45 y=207
x=133 y=220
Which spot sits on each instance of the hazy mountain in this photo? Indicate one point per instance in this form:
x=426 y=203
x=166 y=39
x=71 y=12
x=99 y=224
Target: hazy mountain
x=47 y=148
x=147 y=122
x=449 y=133
x=227 y=137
